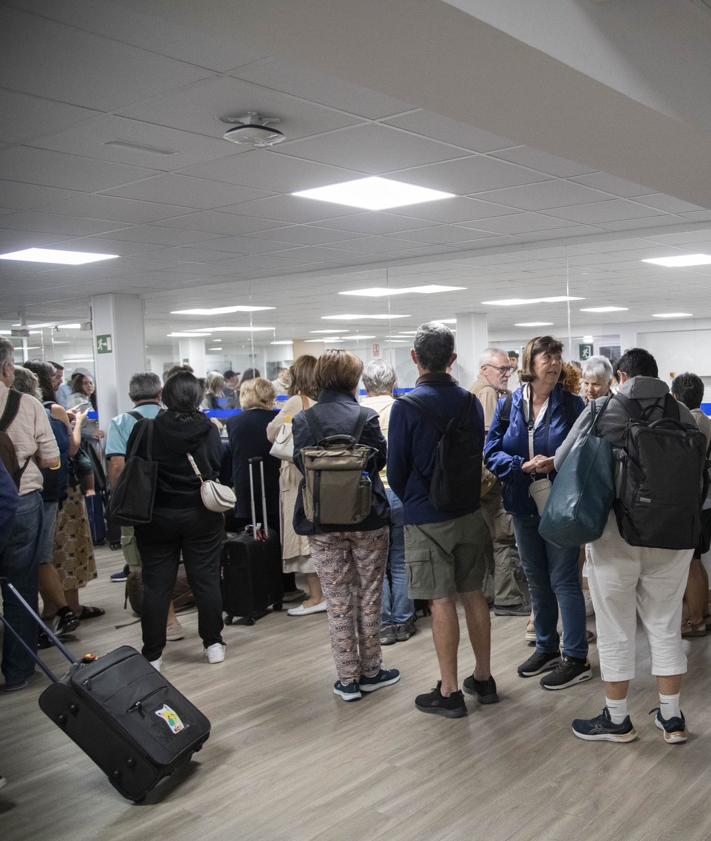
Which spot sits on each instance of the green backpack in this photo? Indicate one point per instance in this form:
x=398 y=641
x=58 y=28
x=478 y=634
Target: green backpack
x=337 y=490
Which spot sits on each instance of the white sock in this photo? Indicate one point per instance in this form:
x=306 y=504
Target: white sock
x=617 y=710
x=669 y=706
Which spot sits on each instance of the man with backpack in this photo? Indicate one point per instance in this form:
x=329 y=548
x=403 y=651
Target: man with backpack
x=436 y=436
x=640 y=564
x=27 y=445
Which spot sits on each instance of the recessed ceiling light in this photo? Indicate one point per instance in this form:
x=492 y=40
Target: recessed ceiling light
x=208 y=330
x=282 y=342
x=187 y=335
x=55 y=342
x=73 y=326
x=374 y=193
x=383 y=291
x=517 y=302
x=328 y=331
x=672 y=315
x=588 y=338
x=360 y=337
x=409 y=332
x=604 y=309
x=139 y=147
x=333 y=340
x=680 y=261
x=52 y=255
x=447 y=320
x=360 y=317
x=533 y=324
x=219 y=310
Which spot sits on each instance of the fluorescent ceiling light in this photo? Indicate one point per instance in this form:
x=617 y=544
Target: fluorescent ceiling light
x=361 y=337
x=282 y=342
x=517 y=302
x=208 y=330
x=672 y=315
x=49 y=324
x=588 y=338
x=384 y=291
x=52 y=255
x=374 y=193
x=219 y=310
x=5 y=332
x=59 y=342
x=78 y=359
x=680 y=261
x=604 y=309
x=533 y=324
x=332 y=340
x=361 y=317
x=328 y=331
x=187 y=335
x=447 y=320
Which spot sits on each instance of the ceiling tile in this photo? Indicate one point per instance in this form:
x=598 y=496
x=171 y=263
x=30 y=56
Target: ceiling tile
x=458 y=209
x=160 y=236
x=53 y=223
x=270 y=171
x=96 y=139
x=17 y=240
x=305 y=235
x=698 y=215
x=668 y=203
x=244 y=245
x=606 y=211
x=469 y=175
x=450 y=131
x=199 y=107
x=545 y=195
x=633 y=224
x=58 y=170
x=372 y=149
x=307 y=83
x=26 y=116
x=182 y=190
x=227 y=224
x=66 y=64
x=109 y=207
x=542 y=161
x=519 y=223
x=442 y=235
x=561 y=233
x=612 y=184
x=22 y=196
x=375 y=223
x=290 y=209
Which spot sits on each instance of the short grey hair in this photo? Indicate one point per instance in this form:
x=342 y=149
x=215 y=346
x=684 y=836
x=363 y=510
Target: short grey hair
x=597 y=368
x=144 y=386
x=26 y=382
x=379 y=377
x=7 y=352
x=488 y=355
x=434 y=346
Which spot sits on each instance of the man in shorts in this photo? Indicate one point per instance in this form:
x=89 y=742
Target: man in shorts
x=446 y=551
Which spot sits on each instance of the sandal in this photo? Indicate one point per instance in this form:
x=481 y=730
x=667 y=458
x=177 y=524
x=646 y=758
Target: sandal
x=688 y=629
x=90 y=613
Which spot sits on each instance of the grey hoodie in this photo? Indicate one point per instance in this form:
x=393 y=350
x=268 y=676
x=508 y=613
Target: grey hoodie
x=646 y=390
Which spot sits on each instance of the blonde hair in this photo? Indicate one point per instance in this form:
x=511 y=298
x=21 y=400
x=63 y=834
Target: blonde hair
x=338 y=370
x=257 y=393
x=215 y=382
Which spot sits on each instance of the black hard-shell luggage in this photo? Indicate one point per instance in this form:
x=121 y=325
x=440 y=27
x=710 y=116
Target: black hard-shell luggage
x=134 y=724
x=251 y=565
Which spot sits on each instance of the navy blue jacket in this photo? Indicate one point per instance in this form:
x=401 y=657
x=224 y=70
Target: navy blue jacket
x=413 y=439
x=507 y=445
x=338 y=414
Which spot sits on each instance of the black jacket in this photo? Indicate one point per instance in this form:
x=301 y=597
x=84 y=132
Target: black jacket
x=174 y=436
x=248 y=438
x=338 y=414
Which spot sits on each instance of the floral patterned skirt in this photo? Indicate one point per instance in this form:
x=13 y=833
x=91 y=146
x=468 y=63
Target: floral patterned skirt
x=73 y=549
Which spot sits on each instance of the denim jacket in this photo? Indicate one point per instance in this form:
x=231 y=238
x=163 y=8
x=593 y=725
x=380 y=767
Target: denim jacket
x=506 y=447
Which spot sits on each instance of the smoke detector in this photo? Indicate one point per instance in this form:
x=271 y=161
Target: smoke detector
x=253 y=129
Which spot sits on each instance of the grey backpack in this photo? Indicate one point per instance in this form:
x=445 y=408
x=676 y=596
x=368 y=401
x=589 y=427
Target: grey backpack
x=337 y=490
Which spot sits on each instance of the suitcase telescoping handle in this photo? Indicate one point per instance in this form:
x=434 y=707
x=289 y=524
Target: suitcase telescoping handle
x=50 y=633
x=265 y=525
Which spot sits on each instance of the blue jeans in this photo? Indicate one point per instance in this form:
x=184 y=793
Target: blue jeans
x=19 y=563
x=553 y=580
x=397 y=607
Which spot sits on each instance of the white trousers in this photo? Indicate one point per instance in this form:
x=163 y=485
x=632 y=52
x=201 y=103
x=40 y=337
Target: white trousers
x=627 y=581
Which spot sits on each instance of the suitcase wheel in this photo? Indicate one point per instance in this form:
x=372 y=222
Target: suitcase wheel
x=249 y=620
x=229 y=619
x=277 y=606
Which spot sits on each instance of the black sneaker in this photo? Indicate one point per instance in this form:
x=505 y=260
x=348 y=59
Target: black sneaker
x=387 y=635
x=43 y=641
x=347 y=691
x=385 y=677
x=405 y=631
x=512 y=609
x=65 y=623
x=674 y=728
x=118 y=577
x=434 y=702
x=485 y=690
x=601 y=729
x=537 y=663
x=567 y=673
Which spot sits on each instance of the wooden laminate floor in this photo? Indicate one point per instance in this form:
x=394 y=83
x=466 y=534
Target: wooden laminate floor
x=288 y=761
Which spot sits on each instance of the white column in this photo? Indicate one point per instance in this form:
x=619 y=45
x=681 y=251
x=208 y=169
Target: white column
x=471 y=339
x=192 y=352
x=119 y=350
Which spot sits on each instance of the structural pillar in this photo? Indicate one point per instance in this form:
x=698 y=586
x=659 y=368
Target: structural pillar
x=471 y=339
x=119 y=351
x=192 y=352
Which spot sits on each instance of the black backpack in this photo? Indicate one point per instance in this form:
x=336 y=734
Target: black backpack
x=8 y=454
x=455 y=484
x=663 y=480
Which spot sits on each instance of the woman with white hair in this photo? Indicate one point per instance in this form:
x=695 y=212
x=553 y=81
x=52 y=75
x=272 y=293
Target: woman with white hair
x=597 y=377
x=398 y=616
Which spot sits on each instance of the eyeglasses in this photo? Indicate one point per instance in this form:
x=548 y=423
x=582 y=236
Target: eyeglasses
x=502 y=369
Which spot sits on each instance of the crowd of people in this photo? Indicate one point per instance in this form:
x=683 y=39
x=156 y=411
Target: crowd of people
x=444 y=509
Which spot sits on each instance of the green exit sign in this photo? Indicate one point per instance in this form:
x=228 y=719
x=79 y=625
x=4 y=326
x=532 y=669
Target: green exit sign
x=103 y=344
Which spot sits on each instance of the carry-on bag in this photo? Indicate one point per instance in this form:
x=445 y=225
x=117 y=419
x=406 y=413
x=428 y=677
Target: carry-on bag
x=251 y=565
x=134 y=724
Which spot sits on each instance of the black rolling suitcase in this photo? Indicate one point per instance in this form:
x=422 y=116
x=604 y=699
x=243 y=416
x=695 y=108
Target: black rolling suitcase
x=251 y=565
x=135 y=725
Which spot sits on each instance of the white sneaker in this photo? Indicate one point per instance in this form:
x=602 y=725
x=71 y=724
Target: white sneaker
x=215 y=653
x=156 y=663
x=301 y=610
x=174 y=632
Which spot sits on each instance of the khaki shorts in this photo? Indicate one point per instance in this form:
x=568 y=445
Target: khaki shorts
x=447 y=558
x=129 y=547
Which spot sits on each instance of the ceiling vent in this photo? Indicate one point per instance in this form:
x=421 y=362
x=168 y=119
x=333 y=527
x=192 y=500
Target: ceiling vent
x=253 y=129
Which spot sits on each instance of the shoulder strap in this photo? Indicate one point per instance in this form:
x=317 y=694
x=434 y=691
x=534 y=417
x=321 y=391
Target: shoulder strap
x=314 y=424
x=506 y=410
x=11 y=409
x=360 y=423
x=146 y=429
x=420 y=405
x=671 y=407
x=137 y=415
x=631 y=407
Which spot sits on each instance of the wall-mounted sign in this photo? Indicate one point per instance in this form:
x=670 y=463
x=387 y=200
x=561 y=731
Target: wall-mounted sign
x=585 y=351
x=103 y=344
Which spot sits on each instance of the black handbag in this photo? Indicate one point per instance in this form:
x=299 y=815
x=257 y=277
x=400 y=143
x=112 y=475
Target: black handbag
x=132 y=500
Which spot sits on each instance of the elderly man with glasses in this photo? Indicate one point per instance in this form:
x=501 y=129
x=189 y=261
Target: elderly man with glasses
x=509 y=581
